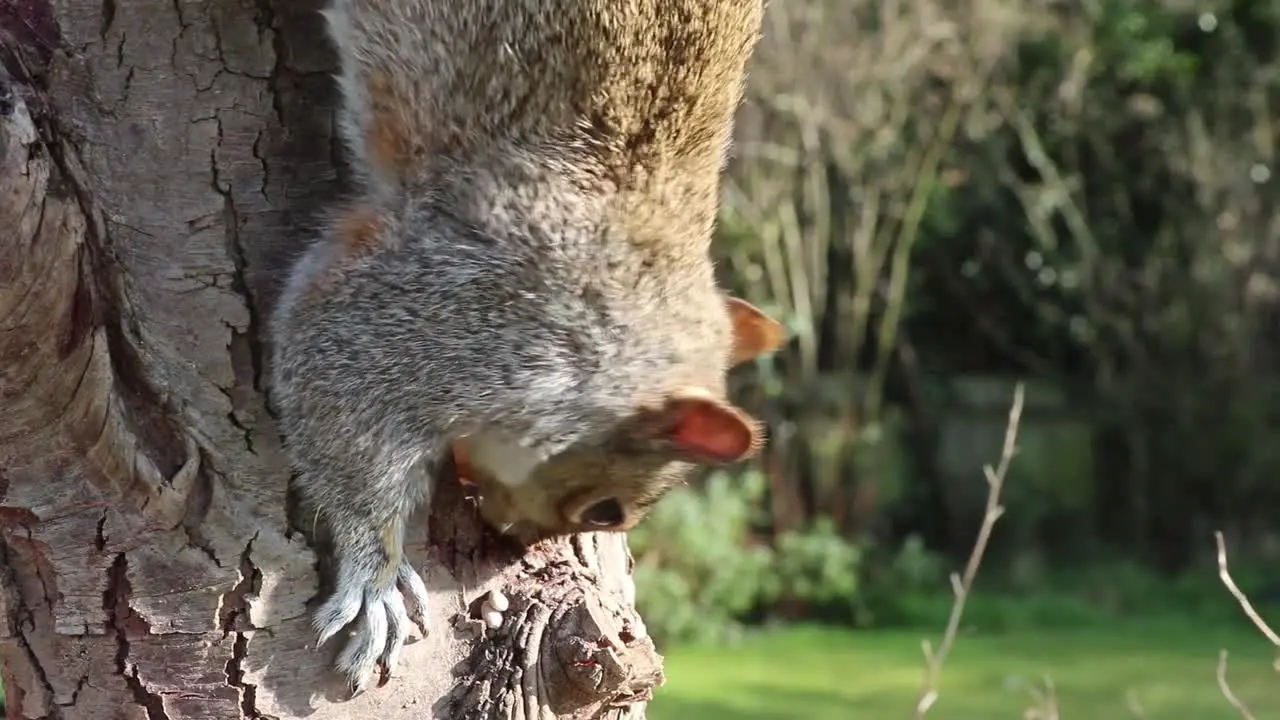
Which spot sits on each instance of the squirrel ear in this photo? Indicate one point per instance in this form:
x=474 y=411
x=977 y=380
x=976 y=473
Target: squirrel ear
x=754 y=333
x=709 y=431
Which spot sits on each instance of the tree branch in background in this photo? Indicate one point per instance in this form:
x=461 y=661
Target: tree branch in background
x=1046 y=702
x=1236 y=702
x=1225 y=575
x=962 y=585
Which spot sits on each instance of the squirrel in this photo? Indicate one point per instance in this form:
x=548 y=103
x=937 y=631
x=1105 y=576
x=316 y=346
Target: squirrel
x=521 y=275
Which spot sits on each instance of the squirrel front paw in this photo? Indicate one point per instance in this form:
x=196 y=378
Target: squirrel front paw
x=382 y=620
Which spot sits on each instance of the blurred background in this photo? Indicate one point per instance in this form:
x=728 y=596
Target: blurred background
x=941 y=200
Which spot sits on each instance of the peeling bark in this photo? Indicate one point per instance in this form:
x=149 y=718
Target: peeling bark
x=159 y=163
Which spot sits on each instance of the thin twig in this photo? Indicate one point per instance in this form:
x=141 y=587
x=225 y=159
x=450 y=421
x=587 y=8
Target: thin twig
x=1046 y=702
x=962 y=586
x=1225 y=576
x=1236 y=702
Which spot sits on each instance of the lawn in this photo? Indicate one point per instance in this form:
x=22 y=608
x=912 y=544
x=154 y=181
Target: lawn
x=815 y=674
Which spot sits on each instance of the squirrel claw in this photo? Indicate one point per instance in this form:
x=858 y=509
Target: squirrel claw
x=382 y=625
x=413 y=586
x=359 y=658
x=337 y=612
x=378 y=637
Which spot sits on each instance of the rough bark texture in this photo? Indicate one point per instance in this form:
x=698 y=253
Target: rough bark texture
x=159 y=162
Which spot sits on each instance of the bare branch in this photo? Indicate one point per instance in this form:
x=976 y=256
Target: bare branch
x=1236 y=702
x=1046 y=702
x=963 y=585
x=1225 y=576
x=1044 y=699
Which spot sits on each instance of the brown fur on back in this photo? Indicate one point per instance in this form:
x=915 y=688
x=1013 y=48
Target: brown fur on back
x=649 y=85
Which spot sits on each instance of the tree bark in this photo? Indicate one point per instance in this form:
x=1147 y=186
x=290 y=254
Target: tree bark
x=159 y=164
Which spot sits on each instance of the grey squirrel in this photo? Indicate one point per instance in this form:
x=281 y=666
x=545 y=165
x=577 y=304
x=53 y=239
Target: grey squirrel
x=522 y=276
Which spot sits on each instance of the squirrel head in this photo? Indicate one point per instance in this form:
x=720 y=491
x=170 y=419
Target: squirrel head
x=611 y=485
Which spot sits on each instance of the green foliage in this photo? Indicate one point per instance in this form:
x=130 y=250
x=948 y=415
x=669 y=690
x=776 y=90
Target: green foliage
x=1138 y=40
x=901 y=588
x=700 y=573
x=701 y=576
x=817 y=566
x=696 y=575
x=1102 y=220
x=1082 y=597
x=1127 y=589
x=917 y=567
x=1087 y=246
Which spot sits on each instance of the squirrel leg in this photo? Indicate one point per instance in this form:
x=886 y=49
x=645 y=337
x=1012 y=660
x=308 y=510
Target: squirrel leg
x=366 y=592
x=368 y=541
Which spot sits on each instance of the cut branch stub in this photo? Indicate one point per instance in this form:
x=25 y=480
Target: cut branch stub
x=565 y=650
x=570 y=645
x=619 y=664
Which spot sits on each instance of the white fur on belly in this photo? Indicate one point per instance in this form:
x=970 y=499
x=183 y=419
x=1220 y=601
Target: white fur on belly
x=502 y=458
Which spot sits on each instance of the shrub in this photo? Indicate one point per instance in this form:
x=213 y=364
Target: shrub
x=701 y=574
x=696 y=575
x=817 y=567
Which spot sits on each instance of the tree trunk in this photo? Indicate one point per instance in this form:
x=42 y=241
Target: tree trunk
x=159 y=161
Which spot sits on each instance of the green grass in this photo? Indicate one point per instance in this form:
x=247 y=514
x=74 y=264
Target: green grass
x=816 y=673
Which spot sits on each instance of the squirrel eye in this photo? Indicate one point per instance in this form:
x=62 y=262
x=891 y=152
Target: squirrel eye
x=605 y=513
